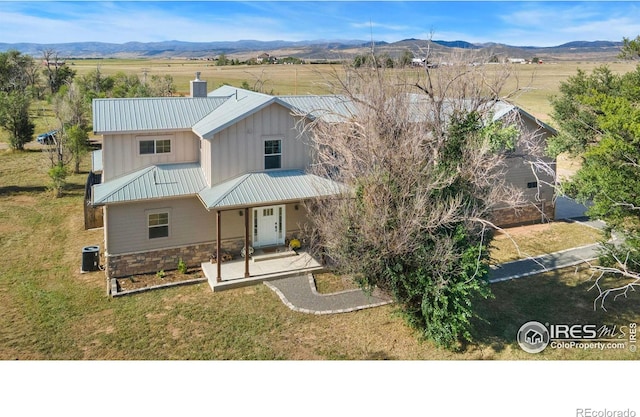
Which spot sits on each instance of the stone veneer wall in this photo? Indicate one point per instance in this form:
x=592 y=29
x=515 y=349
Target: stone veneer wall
x=529 y=214
x=165 y=259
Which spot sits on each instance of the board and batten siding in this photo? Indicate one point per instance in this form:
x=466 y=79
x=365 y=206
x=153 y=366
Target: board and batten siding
x=189 y=224
x=240 y=148
x=121 y=152
x=205 y=159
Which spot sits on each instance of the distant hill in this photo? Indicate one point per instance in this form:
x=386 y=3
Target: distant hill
x=317 y=49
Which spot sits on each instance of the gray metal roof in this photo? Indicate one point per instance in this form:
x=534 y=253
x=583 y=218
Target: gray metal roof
x=156 y=181
x=330 y=108
x=268 y=187
x=230 y=112
x=111 y=115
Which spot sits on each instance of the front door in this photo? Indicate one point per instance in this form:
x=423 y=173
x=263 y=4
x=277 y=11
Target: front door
x=268 y=226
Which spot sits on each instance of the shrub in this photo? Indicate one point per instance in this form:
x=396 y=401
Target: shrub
x=182 y=267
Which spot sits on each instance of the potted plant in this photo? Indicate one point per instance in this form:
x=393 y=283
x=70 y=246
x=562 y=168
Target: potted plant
x=294 y=244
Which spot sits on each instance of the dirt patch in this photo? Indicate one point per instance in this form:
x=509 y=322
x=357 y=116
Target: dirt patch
x=150 y=280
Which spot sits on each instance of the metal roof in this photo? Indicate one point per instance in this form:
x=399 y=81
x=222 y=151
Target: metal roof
x=268 y=187
x=230 y=112
x=156 y=181
x=331 y=108
x=112 y=115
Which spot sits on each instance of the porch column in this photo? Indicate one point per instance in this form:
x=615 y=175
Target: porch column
x=246 y=243
x=218 y=251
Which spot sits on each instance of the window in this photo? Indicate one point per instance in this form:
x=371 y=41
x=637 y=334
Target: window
x=153 y=146
x=158 y=225
x=533 y=184
x=272 y=154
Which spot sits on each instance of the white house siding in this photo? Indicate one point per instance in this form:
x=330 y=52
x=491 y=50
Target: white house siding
x=121 y=153
x=240 y=148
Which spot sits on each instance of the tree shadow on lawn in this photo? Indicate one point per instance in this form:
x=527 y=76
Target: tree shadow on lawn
x=69 y=189
x=557 y=297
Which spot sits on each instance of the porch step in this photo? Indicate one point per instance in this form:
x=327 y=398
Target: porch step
x=273 y=255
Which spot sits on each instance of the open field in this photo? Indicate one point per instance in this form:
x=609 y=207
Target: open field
x=537 y=82
x=51 y=311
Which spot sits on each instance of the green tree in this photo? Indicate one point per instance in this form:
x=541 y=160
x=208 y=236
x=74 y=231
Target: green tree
x=18 y=72
x=222 y=60
x=599 y=117
x=405 y=59
x=630 y=48
x=78 y=144
x=56 y=71
x=58 y=174
x=15 y=119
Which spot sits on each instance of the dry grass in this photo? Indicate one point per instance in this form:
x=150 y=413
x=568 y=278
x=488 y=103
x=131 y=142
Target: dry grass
x=327 y=283
x=536 y=82
x=50 y=310
x=524 y=241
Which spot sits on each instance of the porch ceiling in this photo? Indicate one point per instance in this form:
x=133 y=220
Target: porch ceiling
x=267 y=187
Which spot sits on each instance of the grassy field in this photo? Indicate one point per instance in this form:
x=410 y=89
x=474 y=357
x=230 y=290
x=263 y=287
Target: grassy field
x=50 y=310
x=535 y=83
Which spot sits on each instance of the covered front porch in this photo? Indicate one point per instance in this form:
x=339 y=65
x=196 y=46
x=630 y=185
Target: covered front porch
x=269 y=215
x=264 y=267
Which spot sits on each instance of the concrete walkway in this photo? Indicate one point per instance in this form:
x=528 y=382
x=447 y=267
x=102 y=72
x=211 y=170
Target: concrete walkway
x=299 y=292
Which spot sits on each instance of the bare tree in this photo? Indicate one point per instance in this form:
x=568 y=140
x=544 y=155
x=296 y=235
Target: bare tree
x=423 y=162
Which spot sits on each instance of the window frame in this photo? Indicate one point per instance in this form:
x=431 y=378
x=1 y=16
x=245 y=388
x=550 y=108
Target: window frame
x=167 y=140
x=266 y=155
x=149 y=226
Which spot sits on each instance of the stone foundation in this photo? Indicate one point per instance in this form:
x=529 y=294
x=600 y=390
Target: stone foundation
x=166 y=259
x=529 y=214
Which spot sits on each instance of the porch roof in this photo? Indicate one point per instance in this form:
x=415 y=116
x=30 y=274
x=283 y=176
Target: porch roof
x=267 y=187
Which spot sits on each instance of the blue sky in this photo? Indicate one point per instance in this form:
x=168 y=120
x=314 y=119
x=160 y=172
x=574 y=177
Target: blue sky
x=516 y=23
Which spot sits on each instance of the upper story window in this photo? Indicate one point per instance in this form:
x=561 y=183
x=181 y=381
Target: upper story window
x=272 y=154
x=154 y=146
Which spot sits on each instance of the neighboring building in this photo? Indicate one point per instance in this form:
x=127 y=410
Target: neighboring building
x=190 y=177
x=265 y=57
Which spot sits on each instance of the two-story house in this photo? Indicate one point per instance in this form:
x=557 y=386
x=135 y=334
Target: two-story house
x=192 y=177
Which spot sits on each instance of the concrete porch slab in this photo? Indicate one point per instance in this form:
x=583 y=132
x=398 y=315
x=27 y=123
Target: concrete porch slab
x=233 y=272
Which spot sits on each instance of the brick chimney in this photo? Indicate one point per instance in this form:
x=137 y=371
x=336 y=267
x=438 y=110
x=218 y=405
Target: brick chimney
x=198 y=87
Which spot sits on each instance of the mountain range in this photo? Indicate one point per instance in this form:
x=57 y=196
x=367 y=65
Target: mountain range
x=314 y=49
